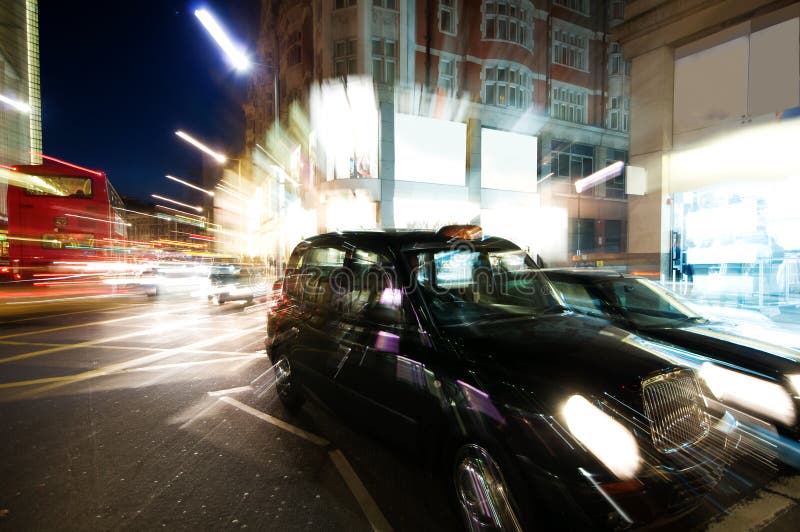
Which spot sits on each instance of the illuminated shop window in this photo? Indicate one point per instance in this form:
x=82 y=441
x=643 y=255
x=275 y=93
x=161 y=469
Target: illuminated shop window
x=384 y=60
x=447 y=16
x=344 y=58
x=570 y=49
x=508 y=20
x=507 y=86
x=569 y=104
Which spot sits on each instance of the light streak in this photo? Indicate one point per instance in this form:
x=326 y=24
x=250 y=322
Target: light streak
x=202 y=147
x=199 y=218
x=95 y=219
x=182 y=182
x=162 y=198
x=236 y=57
x=16 y=104
x=601 y=176
x=65 y=163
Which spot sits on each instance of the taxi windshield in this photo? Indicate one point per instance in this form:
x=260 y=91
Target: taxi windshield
x=464 y=286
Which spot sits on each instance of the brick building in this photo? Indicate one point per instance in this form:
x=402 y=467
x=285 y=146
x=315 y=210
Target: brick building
x=545 y=72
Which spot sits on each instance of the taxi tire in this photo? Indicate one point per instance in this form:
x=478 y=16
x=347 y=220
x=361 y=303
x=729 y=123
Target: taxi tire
x=285 y=387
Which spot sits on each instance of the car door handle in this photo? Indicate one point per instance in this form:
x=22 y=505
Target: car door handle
x=345 y=352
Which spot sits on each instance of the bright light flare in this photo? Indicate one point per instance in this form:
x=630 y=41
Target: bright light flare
x=162 y=198
x=601 y=176
x=603 y=436
x=182 y=182
x=16 y=104
x=221 y=159
x=756 y=395
x=235 y=56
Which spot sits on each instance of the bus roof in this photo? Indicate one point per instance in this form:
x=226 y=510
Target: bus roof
x=54 y=169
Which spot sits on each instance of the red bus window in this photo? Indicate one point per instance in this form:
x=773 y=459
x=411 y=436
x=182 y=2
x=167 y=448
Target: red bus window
x=61 y=186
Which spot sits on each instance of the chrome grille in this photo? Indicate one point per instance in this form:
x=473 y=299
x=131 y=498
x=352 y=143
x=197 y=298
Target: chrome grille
x=674 y=405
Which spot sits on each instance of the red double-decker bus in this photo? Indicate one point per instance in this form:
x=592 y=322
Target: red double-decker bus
x=61 y=218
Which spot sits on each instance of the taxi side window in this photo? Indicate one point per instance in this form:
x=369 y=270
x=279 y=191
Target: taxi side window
x=373 y=293
x=319 y=268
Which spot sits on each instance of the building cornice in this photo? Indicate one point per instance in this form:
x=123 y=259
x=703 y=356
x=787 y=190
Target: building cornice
x=652 y=24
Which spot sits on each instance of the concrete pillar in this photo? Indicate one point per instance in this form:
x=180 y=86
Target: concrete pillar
x=649 y=219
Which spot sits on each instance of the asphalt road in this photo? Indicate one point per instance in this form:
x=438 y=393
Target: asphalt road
x=127 y=412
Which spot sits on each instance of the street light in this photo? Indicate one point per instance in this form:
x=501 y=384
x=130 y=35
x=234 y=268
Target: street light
x=182 y=182
x=220 y=158
x=162 y=198
x=235 y=56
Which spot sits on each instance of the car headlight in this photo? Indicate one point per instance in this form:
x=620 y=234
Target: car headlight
x=603 y=436
x=756 y=395
x=795 y=380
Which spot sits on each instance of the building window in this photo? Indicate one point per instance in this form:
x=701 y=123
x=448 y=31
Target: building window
x=447 y=71
x=447 y=16
x=509 y=20
x=506 y=86
x=386 y=4
x=341 y=4
x=294 y=54
x=571 y=159
x=615 y=188
x=569 y=105
x=384 y=60
x=344 y=58
x=617 y=9
x=617 y=116
x=616 y=64
x=570 y=49
x=581 y=6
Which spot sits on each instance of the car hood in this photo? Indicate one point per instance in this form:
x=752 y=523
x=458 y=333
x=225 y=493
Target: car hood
x=722 y=344
x=553 y=357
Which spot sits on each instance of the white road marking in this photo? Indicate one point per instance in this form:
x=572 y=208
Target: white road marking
x=756 y=513
x=229 y=391
x=365 y=500
x=313 y=438
x=192 y=363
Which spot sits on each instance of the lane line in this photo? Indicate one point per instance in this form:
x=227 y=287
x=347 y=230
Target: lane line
x=119 y=367
x=101 y=322
x=192 y=363
x=229 y=391
x=313 y=438
x=123 y=347
x=89 y=343
x=368 y=505
x=49 y=316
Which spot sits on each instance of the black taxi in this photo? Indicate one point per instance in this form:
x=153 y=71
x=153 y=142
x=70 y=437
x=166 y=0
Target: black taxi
x=455 y=345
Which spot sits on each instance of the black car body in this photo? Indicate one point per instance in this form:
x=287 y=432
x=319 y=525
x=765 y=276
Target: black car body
x=460 y=349
x=641 y=306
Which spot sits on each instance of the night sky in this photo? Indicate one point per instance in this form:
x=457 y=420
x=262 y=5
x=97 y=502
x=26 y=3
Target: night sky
x=118 y=78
